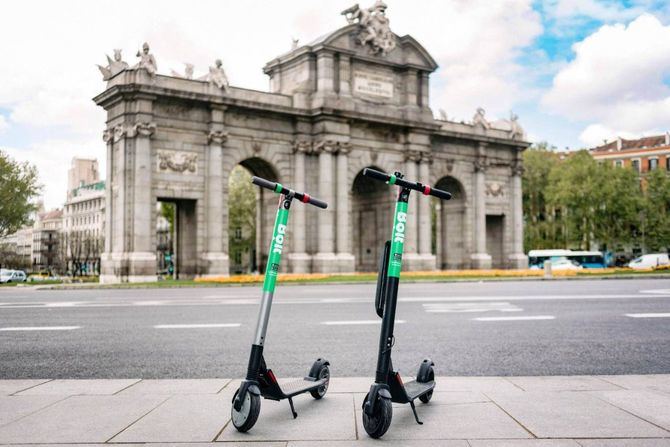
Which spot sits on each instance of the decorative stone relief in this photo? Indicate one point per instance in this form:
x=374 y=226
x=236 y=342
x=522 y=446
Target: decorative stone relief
x=119 y=132
x=481 y=164
x=374 y=28
x=414 y=156
x=331 y=146
x=107 y=135
x=304 y=146
x=517 y=168
x=449 y=164
x=495 y=189
x=175 y=161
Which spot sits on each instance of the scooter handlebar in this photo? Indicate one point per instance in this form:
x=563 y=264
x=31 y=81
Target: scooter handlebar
x=416 y=186
x=281 y=189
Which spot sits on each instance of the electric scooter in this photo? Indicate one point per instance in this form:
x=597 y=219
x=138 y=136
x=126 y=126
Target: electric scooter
x=388 y=386
x=261 y=381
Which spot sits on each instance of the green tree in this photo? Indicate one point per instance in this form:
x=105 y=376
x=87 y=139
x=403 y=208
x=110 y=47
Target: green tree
x=656 y=211
x=540 y=231
x=18 y=185
x=241 y=216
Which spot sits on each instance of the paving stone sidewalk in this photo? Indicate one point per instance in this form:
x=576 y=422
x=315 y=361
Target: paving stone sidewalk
x=565 y=411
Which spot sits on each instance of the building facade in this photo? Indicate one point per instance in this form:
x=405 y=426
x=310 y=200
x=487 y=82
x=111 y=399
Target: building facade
x=357 y=97
x=83 y=171
x=643 y=155
x=46 y=241
x=83 y=229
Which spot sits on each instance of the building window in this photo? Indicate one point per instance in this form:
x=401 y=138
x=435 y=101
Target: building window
x=238 y=233
x=636 y=165
x=618 y=163
x=653 y=163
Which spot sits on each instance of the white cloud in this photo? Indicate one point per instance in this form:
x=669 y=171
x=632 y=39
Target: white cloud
x=4 y=125
x=616 y=81
x=600 y=10
x=50 y=78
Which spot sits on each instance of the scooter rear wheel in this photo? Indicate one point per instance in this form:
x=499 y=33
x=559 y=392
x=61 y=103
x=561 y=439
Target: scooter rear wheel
x=246 y=418
x=324 y=373
x=425 y=398
x=377 y=424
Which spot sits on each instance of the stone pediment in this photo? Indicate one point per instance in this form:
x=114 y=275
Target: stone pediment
x=407 y=53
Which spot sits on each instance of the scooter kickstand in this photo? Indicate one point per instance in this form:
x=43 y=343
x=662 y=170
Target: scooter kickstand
x=416 y=416
x=290 y=402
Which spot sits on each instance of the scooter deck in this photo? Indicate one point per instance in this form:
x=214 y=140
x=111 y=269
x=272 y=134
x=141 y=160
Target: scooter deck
x=300 y=386
x=415 y=389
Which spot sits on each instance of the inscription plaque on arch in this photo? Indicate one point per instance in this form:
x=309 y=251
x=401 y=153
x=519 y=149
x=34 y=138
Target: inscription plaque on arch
x=376 y=85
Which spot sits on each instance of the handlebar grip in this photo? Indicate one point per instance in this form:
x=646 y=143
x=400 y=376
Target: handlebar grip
x=264 y=183
x=376 y=175
x=318 y=203
x=440 y=194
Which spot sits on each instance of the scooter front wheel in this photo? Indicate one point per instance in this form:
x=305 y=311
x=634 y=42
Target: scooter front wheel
x=380 y=421
x=246 y=418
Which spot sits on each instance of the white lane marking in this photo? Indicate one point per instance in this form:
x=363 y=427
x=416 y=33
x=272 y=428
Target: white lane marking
x=352 y=300
x=656 y=291
x=196 y=326
x=63 y=304
x=650 y=315
x=470 y=307
x=519 y=318
x=356 y=322
x=39 y=328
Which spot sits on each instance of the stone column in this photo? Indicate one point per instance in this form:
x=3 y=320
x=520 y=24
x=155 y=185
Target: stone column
x=299 y=260
x=106 y=267
x=215 y=258
x=517 y=258
x=325 y=259
x=142 y=258
x=345 y=75
x=411 y=258
x=480 y=258
x=345 y=259
x=425 y=230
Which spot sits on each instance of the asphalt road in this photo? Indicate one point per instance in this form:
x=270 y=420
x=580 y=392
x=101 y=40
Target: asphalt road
x=487 y=328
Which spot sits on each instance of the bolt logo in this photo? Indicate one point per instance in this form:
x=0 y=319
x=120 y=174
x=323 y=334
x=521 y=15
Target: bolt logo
x=279 y=239
x=399 y=230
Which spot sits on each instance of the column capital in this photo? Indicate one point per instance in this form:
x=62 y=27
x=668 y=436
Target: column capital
x=517 y=168
x=344 y=148
x=302 y=146
x=142 y=129
x=481 y=164
x=331 y=146
x=107 y=135
x=414 y=156
x=119 y=131
x=217 y=137
x=427 y=157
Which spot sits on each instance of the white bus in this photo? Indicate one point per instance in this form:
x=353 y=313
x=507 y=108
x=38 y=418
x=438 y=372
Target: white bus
x=587 y=259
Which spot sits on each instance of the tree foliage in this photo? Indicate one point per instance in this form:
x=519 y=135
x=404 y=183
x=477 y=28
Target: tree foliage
x=18 y=185
x=574 y=201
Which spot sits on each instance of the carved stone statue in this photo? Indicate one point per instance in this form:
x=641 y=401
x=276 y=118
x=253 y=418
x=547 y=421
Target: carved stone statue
x=188 y=72
x=443 y=115
x=516 y=131
x=480 y=120
x=147 y=60
x=217 y=76
x=294 y=43
x=374 y=27
x=114 y=66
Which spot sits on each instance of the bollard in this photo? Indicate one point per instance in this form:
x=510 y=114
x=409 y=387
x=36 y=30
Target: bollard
x=547 y=269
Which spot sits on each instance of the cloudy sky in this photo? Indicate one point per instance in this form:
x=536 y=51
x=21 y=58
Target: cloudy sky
x=575 y=71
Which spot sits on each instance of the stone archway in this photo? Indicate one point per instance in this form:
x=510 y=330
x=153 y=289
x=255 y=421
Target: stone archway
x=372 y=212
x=264 y=207
x=451 y=226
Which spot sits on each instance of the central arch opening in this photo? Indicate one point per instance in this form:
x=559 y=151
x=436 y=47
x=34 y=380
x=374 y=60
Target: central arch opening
x=373 y=203
x=251 y=213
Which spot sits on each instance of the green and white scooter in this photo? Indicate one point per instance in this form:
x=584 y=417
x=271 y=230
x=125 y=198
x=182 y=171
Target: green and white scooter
x=388 y=386
x=260 y=380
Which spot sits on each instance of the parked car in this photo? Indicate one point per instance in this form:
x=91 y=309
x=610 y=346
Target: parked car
x=650 y=261
x=565 y=264
x=12 y=276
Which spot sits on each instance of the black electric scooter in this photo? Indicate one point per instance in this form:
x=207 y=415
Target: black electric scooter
x=261 y=381
x=388 y=386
